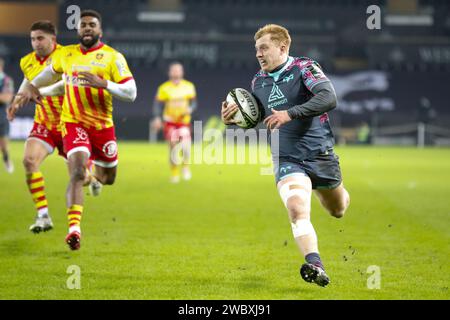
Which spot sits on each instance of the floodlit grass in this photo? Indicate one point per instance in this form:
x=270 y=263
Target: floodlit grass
x=225 y=234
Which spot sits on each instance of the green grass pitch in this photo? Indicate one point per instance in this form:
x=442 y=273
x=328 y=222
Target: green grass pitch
x=225 y=234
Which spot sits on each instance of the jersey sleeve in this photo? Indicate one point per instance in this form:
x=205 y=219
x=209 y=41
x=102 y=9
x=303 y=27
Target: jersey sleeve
x=312 y=75
x=192 y=92
x=254 y=80
x=57 y=61
x=120 y=71
x=23 y=63
x=161 y=94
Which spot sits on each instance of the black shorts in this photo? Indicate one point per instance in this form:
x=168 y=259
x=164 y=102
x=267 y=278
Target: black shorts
x=323 y=170
x=4 y=126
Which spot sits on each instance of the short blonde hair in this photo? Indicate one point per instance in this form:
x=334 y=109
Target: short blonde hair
x=278 y=34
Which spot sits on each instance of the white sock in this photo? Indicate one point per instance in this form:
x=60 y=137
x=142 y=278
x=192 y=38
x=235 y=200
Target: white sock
x=75 y=228
x=43 y=212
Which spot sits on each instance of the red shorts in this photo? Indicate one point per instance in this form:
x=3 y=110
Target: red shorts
x=100 y=145
x=177 y=131
x=50 y=138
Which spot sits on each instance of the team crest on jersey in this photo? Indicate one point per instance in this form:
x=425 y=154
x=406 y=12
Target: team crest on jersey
x=82 y=136
x=288 y=78
x=99 y=56
x=110 y=149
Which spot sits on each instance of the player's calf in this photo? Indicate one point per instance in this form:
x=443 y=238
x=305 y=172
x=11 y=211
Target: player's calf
x=106 y=179
x=337 y=212
x=78 y=174
x=335 y=201
x=338 y=208
x=30 y=163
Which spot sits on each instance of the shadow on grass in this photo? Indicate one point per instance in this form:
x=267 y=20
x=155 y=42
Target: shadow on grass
x=14 y=247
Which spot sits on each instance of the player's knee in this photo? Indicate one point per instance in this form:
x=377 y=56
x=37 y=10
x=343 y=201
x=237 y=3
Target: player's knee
x=297 y=208
x=30 y=163
x=297 y=199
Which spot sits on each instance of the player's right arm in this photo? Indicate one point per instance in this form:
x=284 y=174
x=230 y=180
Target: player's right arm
x=29 y=91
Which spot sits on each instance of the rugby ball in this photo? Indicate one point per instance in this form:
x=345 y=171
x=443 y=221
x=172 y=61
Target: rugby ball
x=249 y=113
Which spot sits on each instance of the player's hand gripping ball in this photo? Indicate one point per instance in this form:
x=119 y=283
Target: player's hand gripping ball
x=249 y=113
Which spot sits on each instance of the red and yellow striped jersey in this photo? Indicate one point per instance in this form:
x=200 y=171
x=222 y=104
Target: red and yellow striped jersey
x=176 y=99
x=89 y=106
x=49 y=114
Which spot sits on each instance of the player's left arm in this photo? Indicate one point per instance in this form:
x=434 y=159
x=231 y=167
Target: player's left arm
x=121 y=85
x=324 y=100
x=56 y=89
x=125 y=91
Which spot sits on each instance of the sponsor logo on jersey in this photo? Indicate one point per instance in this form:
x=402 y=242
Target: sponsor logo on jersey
x=82 y=136
x=40 y=131
x=97 y=64
x=276 y=97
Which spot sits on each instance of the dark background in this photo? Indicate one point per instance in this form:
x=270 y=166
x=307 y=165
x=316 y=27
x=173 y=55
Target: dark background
x=380 y=75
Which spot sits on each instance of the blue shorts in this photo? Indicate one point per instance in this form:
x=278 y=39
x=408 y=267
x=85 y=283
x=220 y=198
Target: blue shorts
x=323 y=170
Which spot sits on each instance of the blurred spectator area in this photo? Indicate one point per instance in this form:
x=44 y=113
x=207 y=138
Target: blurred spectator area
x=414 y=34
x=380 y=75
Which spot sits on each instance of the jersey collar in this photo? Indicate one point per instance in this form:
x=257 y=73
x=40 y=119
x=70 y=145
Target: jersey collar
x=100 y=45
x=275 y=75
x=42 y=60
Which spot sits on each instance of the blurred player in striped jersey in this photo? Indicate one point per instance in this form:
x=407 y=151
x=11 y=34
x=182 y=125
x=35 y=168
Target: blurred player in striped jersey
x=175 y=100
x=45 y=135
x=93 y=74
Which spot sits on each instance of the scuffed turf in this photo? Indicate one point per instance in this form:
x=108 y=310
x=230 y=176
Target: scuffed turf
x=225 y=234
